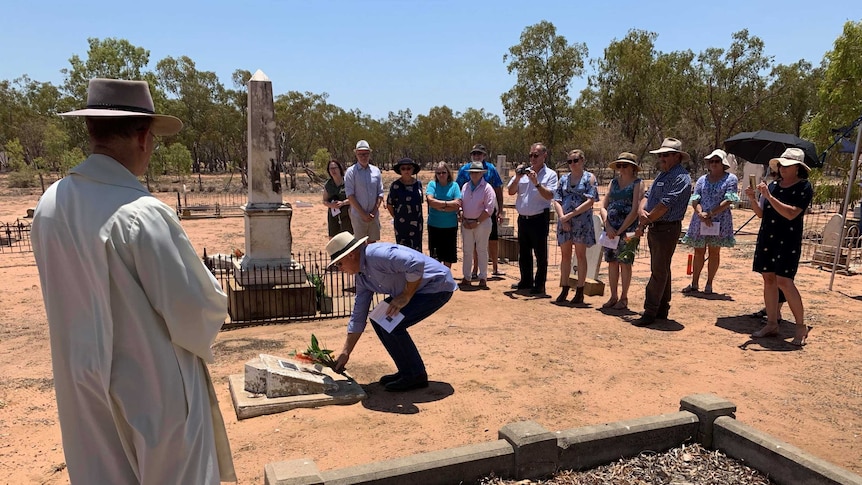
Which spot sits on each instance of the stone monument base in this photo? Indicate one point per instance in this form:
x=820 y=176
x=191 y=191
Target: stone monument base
x=248 y=405
x=257 y=302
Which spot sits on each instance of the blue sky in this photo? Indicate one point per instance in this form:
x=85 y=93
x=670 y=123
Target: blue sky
x=386 y=55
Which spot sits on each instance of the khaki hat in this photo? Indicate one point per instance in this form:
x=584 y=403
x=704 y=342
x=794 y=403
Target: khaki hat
x=341 y=245
x=479 y=148
x=477 y=167
x=625 y=157
x=721 y=154
x=671 y=145
x=791 y=156
x=118 y=98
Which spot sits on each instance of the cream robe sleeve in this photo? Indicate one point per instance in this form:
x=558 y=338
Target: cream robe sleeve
x=180 y=288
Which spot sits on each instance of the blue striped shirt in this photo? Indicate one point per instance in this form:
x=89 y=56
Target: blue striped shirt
x=673 y=189
x=366 y=184
x=386 y=268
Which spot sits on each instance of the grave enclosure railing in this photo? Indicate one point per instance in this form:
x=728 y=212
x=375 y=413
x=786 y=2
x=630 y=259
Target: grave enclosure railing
x=15 y=237
x=210 y=204
x=324 y=294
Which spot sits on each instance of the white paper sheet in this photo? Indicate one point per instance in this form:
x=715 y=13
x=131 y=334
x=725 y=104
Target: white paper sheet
x=378 y=314
x=607 y=242
x=709 y=230
x=335 y=212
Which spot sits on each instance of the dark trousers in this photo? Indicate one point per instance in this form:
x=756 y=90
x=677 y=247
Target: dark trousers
x=399 y=344
x=533 y=239
x=662 y=238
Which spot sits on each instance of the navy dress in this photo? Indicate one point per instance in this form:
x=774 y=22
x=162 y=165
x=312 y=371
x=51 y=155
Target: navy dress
x=406 y=202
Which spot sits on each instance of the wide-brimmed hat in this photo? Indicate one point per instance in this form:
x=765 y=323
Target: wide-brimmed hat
x=479 y=148
x=118 y=98
x=362 y=145
x=341 y=245
x=671 y=145
x=721 y=154
x=477 y=167
x=625 y=157
x=791 y=156
x=406 y=161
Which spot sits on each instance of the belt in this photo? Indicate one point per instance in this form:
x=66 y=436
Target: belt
x=536 y=216
x=665 y=223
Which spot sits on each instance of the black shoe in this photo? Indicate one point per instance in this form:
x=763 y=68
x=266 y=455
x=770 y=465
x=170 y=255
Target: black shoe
x=579 y=295
x=644 y=320
x=662 y=313
x=564 y=294
x=389 y=378
x=408 y=384
x=537 y=291
x=519 y=286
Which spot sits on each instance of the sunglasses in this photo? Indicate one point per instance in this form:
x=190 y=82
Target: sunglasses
x=403 y=169
x=476 y=153
x=535 y=155
x=665 y=155
x=442 y=173
x=573 y=160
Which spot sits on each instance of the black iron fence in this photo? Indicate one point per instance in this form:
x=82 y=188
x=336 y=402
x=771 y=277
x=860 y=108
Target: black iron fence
x=210 y=204
x=301 y=290
x=15 y=237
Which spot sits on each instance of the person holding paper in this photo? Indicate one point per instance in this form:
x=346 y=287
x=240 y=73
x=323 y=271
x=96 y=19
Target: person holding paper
x=573 y=203
x=711 y=225
x=619 y=217
x=417 y=285
x=335 y=199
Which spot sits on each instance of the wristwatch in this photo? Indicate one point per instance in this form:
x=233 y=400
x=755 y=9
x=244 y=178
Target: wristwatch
x=538 y=185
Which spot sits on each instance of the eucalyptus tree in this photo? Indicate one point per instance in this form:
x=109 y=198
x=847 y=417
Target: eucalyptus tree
x=545 y=64
x=840 y=91
x=793 y=97
x=439 y=135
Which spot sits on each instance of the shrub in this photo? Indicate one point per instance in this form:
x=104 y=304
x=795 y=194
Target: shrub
x=23 y=179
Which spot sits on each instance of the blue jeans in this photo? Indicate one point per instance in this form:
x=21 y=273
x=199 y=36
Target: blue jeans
x=398 y=343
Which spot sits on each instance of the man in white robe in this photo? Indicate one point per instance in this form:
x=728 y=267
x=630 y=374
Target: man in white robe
x=132 y=310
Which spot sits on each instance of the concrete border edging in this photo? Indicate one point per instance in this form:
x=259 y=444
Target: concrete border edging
x=526 y=450
x=781 y=461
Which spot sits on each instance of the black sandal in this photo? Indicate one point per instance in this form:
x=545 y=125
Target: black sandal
x=758 y=314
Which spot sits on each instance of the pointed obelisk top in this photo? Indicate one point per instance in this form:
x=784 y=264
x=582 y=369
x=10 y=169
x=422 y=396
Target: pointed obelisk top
x=259 y=76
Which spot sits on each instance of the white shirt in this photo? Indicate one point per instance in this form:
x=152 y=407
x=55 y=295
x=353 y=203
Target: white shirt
x=132 y=312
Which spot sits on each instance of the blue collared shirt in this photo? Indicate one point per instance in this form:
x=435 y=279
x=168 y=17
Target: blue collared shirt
x=386 y=268
x=529 y=201
x=673 y=189
x=366 y=184
x=492 y=176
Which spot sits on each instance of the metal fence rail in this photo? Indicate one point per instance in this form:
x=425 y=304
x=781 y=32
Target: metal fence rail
x=276 y=299
x=15 y=237
x=210 y=204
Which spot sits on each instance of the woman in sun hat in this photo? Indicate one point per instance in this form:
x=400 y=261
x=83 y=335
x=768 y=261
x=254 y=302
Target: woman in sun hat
x=779 y=241
x=404 y=204
x=478 y=203
x=620 y=216
x=714 y=193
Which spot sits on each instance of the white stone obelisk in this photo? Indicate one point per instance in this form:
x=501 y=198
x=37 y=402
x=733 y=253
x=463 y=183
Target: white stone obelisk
x=268 y=240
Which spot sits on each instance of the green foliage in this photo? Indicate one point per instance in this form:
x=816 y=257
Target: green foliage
x=319 y=286
x=545 y=65
x=22 y=179
x=321 y=159
x=172 y=159
x=15 y=155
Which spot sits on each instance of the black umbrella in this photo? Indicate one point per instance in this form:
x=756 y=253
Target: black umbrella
x=762 y=146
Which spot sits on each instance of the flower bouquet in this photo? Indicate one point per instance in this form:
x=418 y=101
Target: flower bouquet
x=316 y=355
x=629 y=249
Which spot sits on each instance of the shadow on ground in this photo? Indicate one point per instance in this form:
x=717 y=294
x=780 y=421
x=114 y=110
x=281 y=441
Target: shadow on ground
x=384 y=401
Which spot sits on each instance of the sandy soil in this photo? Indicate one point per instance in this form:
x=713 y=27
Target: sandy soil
x=494 y=357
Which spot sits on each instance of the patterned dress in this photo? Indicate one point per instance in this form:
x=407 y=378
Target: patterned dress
x=779 y=241
x=570 y=194
x=620 y=206
x=711 y=195
x=406 y=202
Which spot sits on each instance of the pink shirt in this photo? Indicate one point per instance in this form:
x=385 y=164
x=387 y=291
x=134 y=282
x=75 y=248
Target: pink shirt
x=478 y=200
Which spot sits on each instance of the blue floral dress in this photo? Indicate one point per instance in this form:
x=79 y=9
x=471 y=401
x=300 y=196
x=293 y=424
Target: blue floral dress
x=620 y=206
x=406 y=201
x=570 y=194
x=710 y=195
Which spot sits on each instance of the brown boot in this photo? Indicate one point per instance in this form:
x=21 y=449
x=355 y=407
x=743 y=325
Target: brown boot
x=563 y=294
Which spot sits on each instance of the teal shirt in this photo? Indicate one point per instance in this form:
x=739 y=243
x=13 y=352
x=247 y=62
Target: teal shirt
x=439 y=218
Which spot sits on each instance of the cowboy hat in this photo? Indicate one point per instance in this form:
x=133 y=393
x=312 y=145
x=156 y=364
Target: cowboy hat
x=671 y=145
x=625 y=157
x=721 y=154
x=406 y=161
x=479 y=148
x=791 y=156
x=118 y=98
x=341 y=245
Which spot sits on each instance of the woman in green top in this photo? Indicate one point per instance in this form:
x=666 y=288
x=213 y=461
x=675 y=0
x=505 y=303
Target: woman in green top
x=334 y=198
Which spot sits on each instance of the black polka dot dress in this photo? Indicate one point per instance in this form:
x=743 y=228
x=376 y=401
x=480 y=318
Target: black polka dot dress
x=779 y=242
